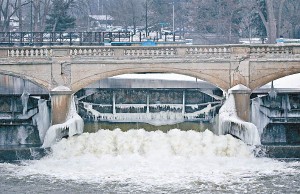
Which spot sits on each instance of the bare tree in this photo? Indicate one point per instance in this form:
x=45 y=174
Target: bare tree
x=8 y=8
x=290 y=20
x=127 y=12
x=268 y=18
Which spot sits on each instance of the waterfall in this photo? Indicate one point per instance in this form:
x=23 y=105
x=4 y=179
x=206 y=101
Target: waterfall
x=151 y=144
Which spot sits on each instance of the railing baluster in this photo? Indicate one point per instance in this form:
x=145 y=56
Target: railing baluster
x=201 y=52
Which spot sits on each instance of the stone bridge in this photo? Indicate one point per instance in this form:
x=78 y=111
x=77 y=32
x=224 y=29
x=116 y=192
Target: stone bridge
x=65 y=70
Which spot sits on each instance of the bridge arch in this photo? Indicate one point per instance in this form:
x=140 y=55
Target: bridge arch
x=85 y=81
x=274 y=74
x=38 y=82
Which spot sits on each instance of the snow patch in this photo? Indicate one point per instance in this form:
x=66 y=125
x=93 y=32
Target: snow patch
x=61 y=88
x=239 y=87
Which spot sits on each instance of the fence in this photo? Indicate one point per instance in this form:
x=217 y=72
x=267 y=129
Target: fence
x=76 y=38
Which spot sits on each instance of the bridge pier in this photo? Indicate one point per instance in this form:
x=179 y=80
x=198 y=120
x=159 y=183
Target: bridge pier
x=60 y=106
x=242 y=101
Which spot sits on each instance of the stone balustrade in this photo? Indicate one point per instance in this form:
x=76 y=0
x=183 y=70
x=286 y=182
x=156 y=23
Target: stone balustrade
x=29 y=52
x=165 y=51
x=92 y=51
x=200 y=51
x=271 y=51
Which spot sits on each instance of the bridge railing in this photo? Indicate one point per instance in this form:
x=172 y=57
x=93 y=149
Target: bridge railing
x=272 y=51
x=29 y=52
x=196 y=51
x=120 y=51
x=77 y=38
x=155 y=51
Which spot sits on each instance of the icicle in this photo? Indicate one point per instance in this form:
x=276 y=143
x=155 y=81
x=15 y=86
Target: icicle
x=259 y=115
x=272 y=93
x=24 y=98
x=42 y=119
x=288 y=104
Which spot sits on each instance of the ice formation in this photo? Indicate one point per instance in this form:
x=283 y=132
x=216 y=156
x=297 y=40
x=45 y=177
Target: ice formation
x=272 y=93
x=22 y=134
x=259 y=114
x=74 y=125
x=42 y=119
x=157 y=118
x=230 y=123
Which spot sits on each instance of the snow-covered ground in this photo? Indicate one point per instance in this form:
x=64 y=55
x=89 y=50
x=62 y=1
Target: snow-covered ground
x=291 y=81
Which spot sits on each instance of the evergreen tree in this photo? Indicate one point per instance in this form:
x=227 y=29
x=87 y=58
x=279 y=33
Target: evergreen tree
x=59 y=19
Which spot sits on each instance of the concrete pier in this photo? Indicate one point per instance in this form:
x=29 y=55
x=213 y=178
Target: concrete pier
x=60 y=105
x=242 y=101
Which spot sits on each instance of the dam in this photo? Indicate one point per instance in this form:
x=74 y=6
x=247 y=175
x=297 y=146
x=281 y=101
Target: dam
x=152 y=104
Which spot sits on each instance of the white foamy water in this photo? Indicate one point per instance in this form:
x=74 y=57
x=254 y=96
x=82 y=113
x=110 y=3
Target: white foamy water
x=173 y=161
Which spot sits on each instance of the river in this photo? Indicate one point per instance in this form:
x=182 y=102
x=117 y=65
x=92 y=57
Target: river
x=137 y=161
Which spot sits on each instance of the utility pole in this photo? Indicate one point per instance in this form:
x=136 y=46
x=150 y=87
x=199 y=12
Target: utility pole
x=173 y=16
x=146 y=18
x=102 y=8
x=31 y=24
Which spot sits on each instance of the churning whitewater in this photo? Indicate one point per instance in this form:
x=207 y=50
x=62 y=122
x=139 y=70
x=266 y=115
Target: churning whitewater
x=155 y=144
x=146 y=160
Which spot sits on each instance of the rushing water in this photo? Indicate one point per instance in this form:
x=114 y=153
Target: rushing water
x=137 y=161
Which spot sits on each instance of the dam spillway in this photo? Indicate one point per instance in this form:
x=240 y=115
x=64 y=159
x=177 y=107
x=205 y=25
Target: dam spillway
x=153 y=106
x=119 y=102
